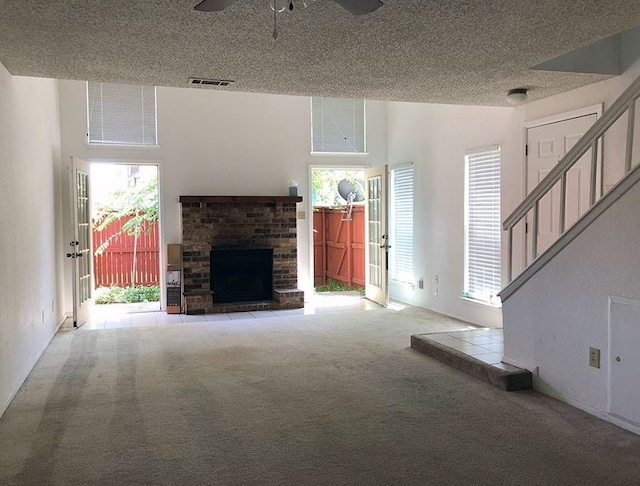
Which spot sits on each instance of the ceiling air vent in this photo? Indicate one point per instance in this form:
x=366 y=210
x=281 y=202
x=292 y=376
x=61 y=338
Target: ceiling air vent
x=208 y=83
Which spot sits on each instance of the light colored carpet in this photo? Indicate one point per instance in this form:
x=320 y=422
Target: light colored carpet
x=329 y=399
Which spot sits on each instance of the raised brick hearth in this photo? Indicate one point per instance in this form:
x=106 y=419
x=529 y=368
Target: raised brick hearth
x=239 y=222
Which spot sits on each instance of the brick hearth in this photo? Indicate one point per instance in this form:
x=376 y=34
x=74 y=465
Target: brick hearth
x=239 y=222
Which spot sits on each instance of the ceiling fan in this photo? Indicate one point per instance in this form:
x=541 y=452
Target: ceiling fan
x=356 y=7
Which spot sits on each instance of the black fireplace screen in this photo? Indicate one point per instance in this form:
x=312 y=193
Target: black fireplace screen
x=241 y=275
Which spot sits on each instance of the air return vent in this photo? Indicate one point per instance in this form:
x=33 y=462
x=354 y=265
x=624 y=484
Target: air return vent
x=208 y=83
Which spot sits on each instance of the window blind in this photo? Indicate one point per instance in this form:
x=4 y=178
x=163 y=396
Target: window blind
x=483 y=268
x=402 y=224
x=121 y=114
x=337 y=125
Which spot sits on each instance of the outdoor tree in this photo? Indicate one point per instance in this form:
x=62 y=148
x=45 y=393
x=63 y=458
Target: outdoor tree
x=140 y=205
x=324 y=183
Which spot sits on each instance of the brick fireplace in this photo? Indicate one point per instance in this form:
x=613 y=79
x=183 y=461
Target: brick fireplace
x=234 y=224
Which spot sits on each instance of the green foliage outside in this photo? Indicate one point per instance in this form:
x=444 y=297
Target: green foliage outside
x=324 y=184
x=127 y=295
x=336 y=286
x=140 y=204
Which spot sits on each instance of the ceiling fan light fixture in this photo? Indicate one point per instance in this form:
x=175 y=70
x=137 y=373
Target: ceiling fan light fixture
x=517 y=96
x=356 y=7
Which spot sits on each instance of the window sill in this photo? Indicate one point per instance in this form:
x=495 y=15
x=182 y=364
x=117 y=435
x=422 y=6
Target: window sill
x=339 y=154
x=481 y=302
x=121 y=145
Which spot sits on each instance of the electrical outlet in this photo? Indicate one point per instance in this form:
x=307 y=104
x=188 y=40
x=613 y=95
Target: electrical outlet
x=435 y=279
x=301 y=215
x=421 y=284
x=435 y=291
x=594 y=357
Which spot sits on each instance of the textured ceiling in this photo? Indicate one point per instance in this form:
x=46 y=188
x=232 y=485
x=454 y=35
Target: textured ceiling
x=453 y=51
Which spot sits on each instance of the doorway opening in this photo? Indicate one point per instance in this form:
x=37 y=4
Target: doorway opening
x=125 y=238
x=337 y=197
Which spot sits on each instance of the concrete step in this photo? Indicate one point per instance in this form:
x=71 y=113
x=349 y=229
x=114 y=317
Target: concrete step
x=504 y=376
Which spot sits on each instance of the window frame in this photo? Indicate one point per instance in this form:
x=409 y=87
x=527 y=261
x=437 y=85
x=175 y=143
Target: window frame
x=315 y=152
x=122 y=144
x=484 y=297
x=410 y=280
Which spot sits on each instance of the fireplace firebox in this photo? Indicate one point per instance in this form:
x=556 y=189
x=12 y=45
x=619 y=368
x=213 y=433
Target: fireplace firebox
x=241 y=275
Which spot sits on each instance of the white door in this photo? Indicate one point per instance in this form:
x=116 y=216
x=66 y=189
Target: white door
x=376 y=235
x=547 y=144
x=81 y=253
x=624 y=359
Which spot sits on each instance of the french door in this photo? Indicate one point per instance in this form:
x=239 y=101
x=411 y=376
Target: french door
x=80 y=251
x=376 y=235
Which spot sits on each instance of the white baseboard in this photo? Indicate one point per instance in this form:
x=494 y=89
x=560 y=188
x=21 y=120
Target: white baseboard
x=63 y=319
x=14 y=392
x=590 y=410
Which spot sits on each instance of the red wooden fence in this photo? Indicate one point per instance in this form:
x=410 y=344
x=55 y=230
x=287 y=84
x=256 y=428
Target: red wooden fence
x=115 y=265
x=338 y=245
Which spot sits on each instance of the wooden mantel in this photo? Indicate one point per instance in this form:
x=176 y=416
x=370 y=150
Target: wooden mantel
x=240 y=199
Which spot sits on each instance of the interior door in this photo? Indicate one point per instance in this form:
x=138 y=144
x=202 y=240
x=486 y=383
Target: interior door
x=547 y=144
x=376 y=235
x=624 y=359
x=80 y=245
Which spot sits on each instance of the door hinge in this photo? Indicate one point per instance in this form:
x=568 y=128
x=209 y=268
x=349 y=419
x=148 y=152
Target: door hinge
x=526 y=149
x=526 y=227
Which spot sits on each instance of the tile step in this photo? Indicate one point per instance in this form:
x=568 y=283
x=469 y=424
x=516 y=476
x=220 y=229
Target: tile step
x=510 y=379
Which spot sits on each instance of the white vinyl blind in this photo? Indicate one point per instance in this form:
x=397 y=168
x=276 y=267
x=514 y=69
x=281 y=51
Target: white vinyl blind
x=121 y=114
x=337 y=125
x=402 y=224
x=482 y=265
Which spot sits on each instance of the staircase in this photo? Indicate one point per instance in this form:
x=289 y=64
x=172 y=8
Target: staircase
x=572 y=316
x=592 y=140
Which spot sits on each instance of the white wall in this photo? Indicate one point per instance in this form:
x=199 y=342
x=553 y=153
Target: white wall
x=213 y=142
x=434 y=138
x=31 y=304
x=550 y=322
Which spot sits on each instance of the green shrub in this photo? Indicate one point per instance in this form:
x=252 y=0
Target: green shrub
x=336 y=286
x=108 y=295
x=127 y=295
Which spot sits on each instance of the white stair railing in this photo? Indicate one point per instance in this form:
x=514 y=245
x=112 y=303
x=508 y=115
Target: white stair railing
x=626 y=103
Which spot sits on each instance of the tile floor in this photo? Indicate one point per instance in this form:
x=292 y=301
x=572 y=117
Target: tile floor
x=117 y=316
x=487 y=345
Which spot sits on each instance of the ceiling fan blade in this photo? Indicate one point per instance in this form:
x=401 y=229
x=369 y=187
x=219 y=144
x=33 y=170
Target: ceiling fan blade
x=213 y=5
x=360 y=7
